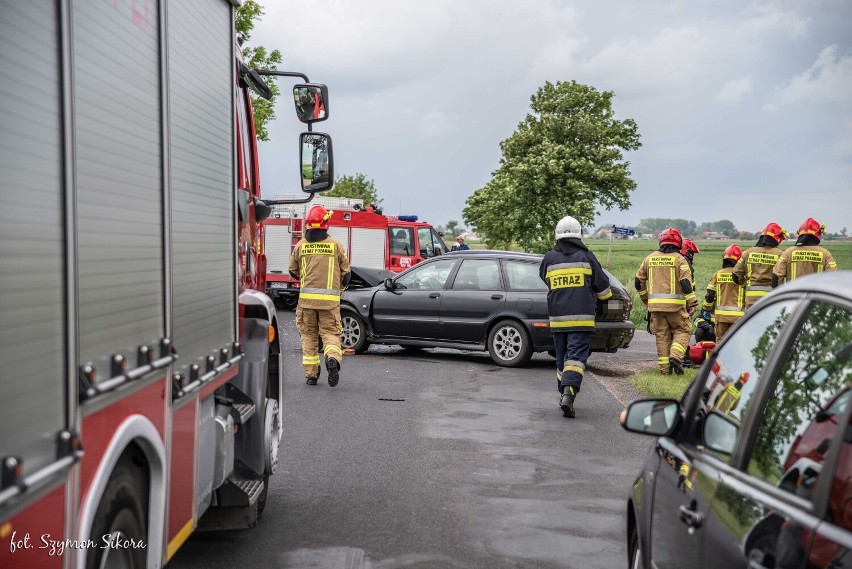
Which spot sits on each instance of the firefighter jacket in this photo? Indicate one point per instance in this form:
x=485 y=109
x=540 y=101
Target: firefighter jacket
x=320 y=266
x=664 y=282
x=728 y=297
x=754 y=271
x=576 y=281
x=801 y=260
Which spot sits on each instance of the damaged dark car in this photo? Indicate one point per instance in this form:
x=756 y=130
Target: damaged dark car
x=471 y=300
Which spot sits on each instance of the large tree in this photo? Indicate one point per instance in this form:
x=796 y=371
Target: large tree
x=247 y=15
x=566 y=158
x=357 y=186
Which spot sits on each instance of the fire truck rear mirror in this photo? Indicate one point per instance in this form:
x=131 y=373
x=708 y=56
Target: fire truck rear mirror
x=261 y=210
x=311 y=101
x=316 y=162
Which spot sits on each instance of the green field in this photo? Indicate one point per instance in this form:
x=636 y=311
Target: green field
x=628 y=254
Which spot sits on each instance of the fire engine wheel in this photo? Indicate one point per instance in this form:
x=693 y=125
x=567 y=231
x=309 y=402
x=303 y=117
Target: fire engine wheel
x=119 y=522
x=354 y=333
x=509 y=344
x=272 y=434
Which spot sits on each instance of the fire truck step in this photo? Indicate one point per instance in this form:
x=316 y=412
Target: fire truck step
x=244 y=412
x=251 y=488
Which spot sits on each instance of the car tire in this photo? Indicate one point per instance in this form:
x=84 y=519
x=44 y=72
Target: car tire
x=509 y=344
x=634 y=551
x=353 y=336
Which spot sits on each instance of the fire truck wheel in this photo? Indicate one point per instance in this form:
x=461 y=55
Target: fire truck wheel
x=509 y=344
x=118 y=524
x=354 y=334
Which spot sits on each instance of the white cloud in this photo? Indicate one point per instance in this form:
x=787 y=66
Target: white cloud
x=734 y=91
x=769 y=17
x=828 y=80
x=435 y=124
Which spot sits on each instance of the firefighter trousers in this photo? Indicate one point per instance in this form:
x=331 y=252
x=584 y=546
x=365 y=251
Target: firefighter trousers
x=313 y=324
x=722 y=329
x=671 y=329
x=572 y=351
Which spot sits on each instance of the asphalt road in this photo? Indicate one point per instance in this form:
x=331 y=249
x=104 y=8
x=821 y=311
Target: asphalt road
x=441 y=459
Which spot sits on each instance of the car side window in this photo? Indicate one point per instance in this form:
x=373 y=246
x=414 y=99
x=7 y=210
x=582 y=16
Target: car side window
x=523 y=276
x=801 y=415
x=478 y=274
x=840 y=503
x=735 y=373
x=429 y=276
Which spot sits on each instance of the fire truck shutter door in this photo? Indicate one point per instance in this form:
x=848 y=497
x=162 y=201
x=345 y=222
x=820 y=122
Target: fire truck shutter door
x=368 y=247
x=279 y=247
x=342 y=235
x=32 y=235
x=201 y=61
x=119 y=180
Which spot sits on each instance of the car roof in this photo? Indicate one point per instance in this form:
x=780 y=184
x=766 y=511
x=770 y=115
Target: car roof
x=837 y=283
x=493 y=253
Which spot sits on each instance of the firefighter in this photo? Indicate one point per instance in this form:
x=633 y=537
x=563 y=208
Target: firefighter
x=727 y=400
x=576 y=282
x=665 y=287
x=805 y=257
x=688 y=250
x=320 y=263
x=725 y=298
x=754 y=269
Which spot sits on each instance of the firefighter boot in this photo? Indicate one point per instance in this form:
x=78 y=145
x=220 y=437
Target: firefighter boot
x=676 y=366
x=333 y=367
x=311 y=380
x=567 y=402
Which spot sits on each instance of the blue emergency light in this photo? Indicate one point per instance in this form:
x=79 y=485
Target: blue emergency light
x=407 y=218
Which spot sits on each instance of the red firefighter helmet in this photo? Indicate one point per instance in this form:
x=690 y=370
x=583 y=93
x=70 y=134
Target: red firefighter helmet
x=811 y=226
x=688 y=245
x=733 y=252
x=775 y=231
x=671 y=236
x=317 y=218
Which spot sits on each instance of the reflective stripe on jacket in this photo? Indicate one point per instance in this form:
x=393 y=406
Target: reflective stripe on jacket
x=576 y=281
x=660 y=276
x=320 y=267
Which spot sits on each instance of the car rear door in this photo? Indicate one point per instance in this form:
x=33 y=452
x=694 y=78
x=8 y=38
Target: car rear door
x=474 y=298
x=689 y=473
x=765 y=514
x=412 y=308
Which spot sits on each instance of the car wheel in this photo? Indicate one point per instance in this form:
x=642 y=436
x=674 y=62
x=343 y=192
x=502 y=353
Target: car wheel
x=635 y=552
x=509 y=344
x=354 y=333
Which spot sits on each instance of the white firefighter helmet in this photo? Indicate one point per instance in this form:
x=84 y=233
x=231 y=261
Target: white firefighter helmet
x=568 y=227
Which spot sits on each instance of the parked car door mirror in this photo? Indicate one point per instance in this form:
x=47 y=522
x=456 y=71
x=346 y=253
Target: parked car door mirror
x=389 y=284
x=650 y=416
x=720 y=433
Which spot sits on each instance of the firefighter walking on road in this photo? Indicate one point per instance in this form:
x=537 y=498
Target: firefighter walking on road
x=725 y=297
x=805 y=257
x=576 y=282
x=754 y=269
x=321 y=264
x=665 y=287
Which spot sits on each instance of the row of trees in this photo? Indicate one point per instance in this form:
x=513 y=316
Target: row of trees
x=687 y=227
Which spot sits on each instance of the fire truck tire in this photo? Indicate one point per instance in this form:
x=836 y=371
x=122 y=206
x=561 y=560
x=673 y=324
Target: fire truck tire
x=120 y=522
x=509 y=344
x=354 y=333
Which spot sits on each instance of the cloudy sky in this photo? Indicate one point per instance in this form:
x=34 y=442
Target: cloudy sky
x=745 y=109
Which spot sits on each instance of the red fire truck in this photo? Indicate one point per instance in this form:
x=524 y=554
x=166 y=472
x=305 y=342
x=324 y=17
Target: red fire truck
x=136 y=406
x=372 y=240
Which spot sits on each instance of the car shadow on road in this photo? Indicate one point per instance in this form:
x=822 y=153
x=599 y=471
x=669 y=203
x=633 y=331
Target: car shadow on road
x=427 y=355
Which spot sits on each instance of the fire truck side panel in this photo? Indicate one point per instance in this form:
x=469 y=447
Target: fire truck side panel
x=369 y=248
x=32 y=238
x=118 y=145
x=279 y=246
x=201 y=62
x=33 y=522
x=181 y=519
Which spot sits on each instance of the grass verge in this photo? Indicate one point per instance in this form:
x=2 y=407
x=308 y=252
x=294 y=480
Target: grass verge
x=652 y=384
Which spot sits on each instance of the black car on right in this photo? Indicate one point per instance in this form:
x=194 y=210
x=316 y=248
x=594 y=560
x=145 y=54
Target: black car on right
x=753 y=466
